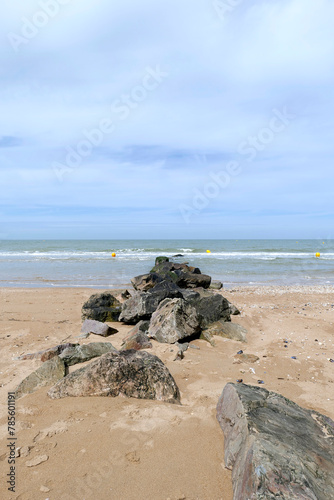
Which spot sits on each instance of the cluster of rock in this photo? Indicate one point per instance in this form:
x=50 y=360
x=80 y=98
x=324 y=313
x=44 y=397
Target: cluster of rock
x=174 y=304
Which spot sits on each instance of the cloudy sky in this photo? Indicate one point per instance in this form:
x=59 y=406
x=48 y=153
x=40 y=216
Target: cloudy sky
x=178 y=119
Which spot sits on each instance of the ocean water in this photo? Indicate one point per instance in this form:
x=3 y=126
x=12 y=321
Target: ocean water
x=89 y=263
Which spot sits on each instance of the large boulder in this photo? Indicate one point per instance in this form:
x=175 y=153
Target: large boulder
x=142 y=305
x=101 y=307
x=276 y=449
x=161 y=259
x=97 y=327
x=82 y=353
x=209 y=305
x=129 y=373
x=228 y=330
x=174 y=320
x=183 y=275
x=146 y=281
x=49 y=373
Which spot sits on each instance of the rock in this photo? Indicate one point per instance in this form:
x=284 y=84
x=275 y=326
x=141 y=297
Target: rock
x=228 y=330
x=209 y=305
x=98 y=328
x=49 y=373
x=137 y=341
x=130 y=373
x=143 y=304
x=181 y=350
x=205 y=335
x=101 y=307
x=183 y=275
x=175 y=319
x=246 y=358
x=216 y=285
x=141 y=326
x=47 y=353
x=123 y=296
x=234 y=311
x=146 y=281
x=177 y=255
x=44 y=489
x=161 y=259
x=276 y=449
x=82 y=353
x=37 y=460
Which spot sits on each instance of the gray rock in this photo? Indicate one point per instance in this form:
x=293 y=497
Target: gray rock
x=183 y=275
x=276 y=449
x=97 y=327
x=146 y=281
x=209 y=305
x=216 y=285
x=49 y=373
x=175 y=319
x=228 y=330
x=101 y=307
x=82 y=353
x=142 y=305
x=130 y=373
x=137 y=341
x=47 y=353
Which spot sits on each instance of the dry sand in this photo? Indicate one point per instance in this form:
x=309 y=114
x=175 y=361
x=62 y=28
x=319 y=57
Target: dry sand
x=118 y=448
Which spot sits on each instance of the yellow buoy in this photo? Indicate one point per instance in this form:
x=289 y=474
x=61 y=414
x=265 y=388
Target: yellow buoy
x=317 y=254
x=113 y=254
x=208 y=251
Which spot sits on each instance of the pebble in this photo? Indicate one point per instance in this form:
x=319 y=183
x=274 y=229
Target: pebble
x=44 y=489
x=260 y=382
x=37 y=460
x=293 y=357
x=240 y=352
x=239 y=380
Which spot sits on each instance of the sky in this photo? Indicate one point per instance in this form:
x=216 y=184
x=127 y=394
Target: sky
x=179 y=119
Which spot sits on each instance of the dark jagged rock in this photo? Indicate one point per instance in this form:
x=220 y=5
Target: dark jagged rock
x=209 y=305
x=137 y=341
x=234 y=311
x=146 y=281
x=276 y=449
x=82 y=353
x=101 y=307
x=47 y=353
x=130 y=373
x=183 y=275
x=143 y=304
x=49 y=373
x=175 y=319
x=228 y=330
x=97 y=327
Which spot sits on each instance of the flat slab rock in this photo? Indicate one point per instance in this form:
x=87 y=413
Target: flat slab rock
x=131 y=373
x=97 y=327
x=228 y=330
x=47 y=374
x=86 y=352
x=276 y=449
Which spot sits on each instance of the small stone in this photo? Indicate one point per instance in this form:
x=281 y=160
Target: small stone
x=37 y=460
x=44 y=489
x=260 y=382
x=239 y=380
x=240 y=352
x=293 y=357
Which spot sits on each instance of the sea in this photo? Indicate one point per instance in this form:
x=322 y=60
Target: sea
x=90 y=263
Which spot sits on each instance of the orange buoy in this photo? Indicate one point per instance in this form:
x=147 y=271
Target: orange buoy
x=317 y=254
x=113 y=254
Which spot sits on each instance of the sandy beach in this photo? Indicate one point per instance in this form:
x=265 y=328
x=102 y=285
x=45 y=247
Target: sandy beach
x=118 y=448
